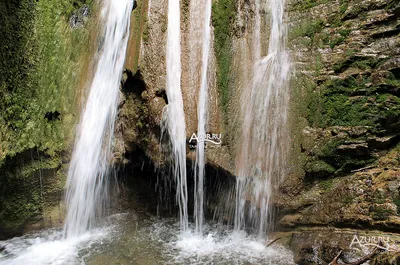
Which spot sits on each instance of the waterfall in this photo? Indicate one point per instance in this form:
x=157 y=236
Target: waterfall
x=175 y=116
x=86 y=190
x=202 y=122
x=263 y=146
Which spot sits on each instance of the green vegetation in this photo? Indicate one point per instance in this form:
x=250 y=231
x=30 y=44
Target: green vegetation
x=314 y=108
x=353 y=101
x=350 y=86
x=337 y=108
x=375 y=110
x=334 y=161
x=336 y=41
x=314 y=29
x=306 y=4
x=353 y=12
x=381 y=213
x=319 y=169
x=357 y=62
x=344 y=4
x=146 y=33
x=26 y=181
x=39 y=75
x=308 y=29
x=392 y=4
x=325 y=38
x=396 y=201
x=223 y=17
x=41 y=58
x=344 y=32
x=393 y=82
x=327 y=184
x=140 y=31
x=349 y=198
x=351 y=96
x=319 y=64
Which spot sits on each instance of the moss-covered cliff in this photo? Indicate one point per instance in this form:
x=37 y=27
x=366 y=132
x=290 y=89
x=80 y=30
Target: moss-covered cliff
x=44 y=47
x=348 y=56
x=345 y=122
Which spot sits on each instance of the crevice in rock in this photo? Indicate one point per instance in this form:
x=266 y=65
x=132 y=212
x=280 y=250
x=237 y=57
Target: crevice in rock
x=162 y=94
x=133 y=83
x=387 y=34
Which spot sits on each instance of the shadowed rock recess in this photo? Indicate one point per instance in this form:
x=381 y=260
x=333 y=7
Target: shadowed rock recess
x=343 y=173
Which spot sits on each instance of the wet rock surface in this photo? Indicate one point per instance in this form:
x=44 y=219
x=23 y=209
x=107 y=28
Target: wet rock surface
x=322 y=245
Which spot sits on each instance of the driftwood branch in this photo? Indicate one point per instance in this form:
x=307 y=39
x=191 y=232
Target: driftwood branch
x=362 y=169
x=273 y=241
x=361 y=260
x=334 y=261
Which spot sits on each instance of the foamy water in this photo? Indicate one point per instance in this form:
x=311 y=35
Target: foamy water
x=48 y=247
x=235 y=247
x=129 y=238
x=222 y=246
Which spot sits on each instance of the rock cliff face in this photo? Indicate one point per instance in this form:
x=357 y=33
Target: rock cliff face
x=347 y=80
x=146 y=65
x=346 y=138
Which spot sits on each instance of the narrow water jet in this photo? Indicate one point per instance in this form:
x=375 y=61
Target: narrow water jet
x=173 y=115
x=202 y=123
x=86 y=190
x=261 y=160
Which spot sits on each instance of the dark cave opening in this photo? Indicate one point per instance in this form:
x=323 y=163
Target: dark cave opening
x=151 y=189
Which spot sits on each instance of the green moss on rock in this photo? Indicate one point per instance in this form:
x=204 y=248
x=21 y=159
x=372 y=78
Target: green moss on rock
x=308 y=29
x=27 y=180
x=319 y=169
x=223 y=18
x=41 y=58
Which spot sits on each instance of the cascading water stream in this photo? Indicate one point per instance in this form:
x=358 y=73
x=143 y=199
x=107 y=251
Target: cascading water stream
x=87 y=183
x=262 y=153
x=202 y=123
x=174 y=114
